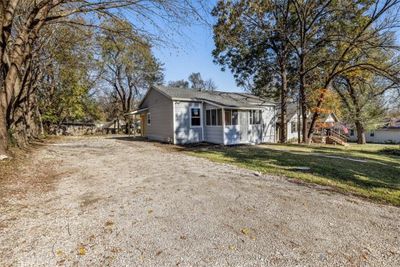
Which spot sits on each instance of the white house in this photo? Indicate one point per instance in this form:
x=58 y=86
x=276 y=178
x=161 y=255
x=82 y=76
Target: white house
x=389 y=133
x=293 y=121
x=183 y=115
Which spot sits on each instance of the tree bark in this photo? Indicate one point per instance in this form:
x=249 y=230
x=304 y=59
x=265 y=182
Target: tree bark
x=303 y=99
x=283 y=116
x=360 y=133
x=3 y=125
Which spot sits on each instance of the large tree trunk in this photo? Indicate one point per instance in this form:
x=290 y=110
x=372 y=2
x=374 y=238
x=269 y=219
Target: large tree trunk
x=283 y=119
x=303 y=100
x=3 y=125
x=360 y=133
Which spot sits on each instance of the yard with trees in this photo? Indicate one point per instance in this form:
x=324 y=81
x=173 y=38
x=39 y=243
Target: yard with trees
x=291 y=49
x=117 y=200
x=51 y=60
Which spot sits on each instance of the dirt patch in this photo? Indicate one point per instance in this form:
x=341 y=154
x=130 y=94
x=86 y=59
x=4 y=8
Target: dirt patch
x=105 y=201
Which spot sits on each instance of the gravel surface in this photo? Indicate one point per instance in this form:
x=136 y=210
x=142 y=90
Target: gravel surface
x=110 y=201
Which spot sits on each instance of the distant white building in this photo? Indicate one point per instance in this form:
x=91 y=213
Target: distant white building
x=387 y=134
x=292 y=125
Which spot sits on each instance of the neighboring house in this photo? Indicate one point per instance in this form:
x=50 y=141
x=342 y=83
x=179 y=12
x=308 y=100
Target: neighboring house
x=325 y=121
x=181 y=116
x=292 y=125
x=389 y=133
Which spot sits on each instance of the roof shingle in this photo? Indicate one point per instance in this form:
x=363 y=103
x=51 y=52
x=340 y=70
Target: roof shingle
x=226 y=99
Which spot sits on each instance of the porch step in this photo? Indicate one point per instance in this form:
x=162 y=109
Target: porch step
x=336 y=140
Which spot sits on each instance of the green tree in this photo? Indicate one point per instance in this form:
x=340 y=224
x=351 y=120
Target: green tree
x=64 y=92
x=128 y=66
x=251 y=39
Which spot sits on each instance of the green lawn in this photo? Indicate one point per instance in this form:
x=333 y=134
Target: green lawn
x=375 y=175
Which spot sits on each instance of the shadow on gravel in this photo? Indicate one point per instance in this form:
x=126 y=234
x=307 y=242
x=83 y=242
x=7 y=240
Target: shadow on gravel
x=129 y=138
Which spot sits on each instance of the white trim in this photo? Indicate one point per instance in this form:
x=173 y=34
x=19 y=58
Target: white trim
x=201 y=123
x=216 y=114
x=238 y=118
x=223 y=126
x=173 y=123
x=201 y=119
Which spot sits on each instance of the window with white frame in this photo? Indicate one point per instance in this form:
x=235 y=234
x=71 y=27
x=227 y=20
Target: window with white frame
x=213 y=117
x=195 y=118
x=148 y=118
x=293 y=128
x=231 y=117
x=255 y=117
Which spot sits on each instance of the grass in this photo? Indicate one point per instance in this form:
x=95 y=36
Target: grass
x=362 y=170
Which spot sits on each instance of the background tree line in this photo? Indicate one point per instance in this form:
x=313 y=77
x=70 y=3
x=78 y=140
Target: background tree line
x=56 y=54
x=313 y=52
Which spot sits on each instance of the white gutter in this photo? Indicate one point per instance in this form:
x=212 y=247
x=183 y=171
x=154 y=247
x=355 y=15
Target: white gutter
x=173 y=123
x=202 y=121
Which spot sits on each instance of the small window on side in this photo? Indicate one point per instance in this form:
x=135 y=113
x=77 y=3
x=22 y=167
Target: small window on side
x=372 y=134
x=351 y=132
x=293 y=127
x=195 y=117
x=148 y=118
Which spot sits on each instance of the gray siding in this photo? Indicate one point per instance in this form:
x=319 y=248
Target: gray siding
x=212 y=134
x=160 y=107
x=184 y=132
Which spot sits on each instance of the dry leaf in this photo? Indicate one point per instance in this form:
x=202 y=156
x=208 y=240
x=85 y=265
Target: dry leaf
x=81 y=250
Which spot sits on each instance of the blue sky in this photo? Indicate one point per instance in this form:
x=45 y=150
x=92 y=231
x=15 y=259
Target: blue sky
x=193 y=54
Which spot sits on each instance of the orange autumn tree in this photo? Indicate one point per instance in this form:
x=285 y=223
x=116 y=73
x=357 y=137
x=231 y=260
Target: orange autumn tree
x=332 y=104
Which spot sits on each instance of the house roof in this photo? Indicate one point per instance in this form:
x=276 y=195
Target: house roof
x=225 y=99
x=392 y=123
x=291 y=110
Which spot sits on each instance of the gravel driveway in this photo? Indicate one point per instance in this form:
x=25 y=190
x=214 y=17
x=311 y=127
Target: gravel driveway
x=109 y=201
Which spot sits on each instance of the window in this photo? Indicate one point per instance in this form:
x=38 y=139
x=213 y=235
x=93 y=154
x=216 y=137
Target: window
x=372 y=134
x=231 y=117
x=213 y=117
x=219 y=116
x=148 y=118
x=352 y=132
x=228 y=117
x=293 y=127
x=255 y=117
x=195 y=117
